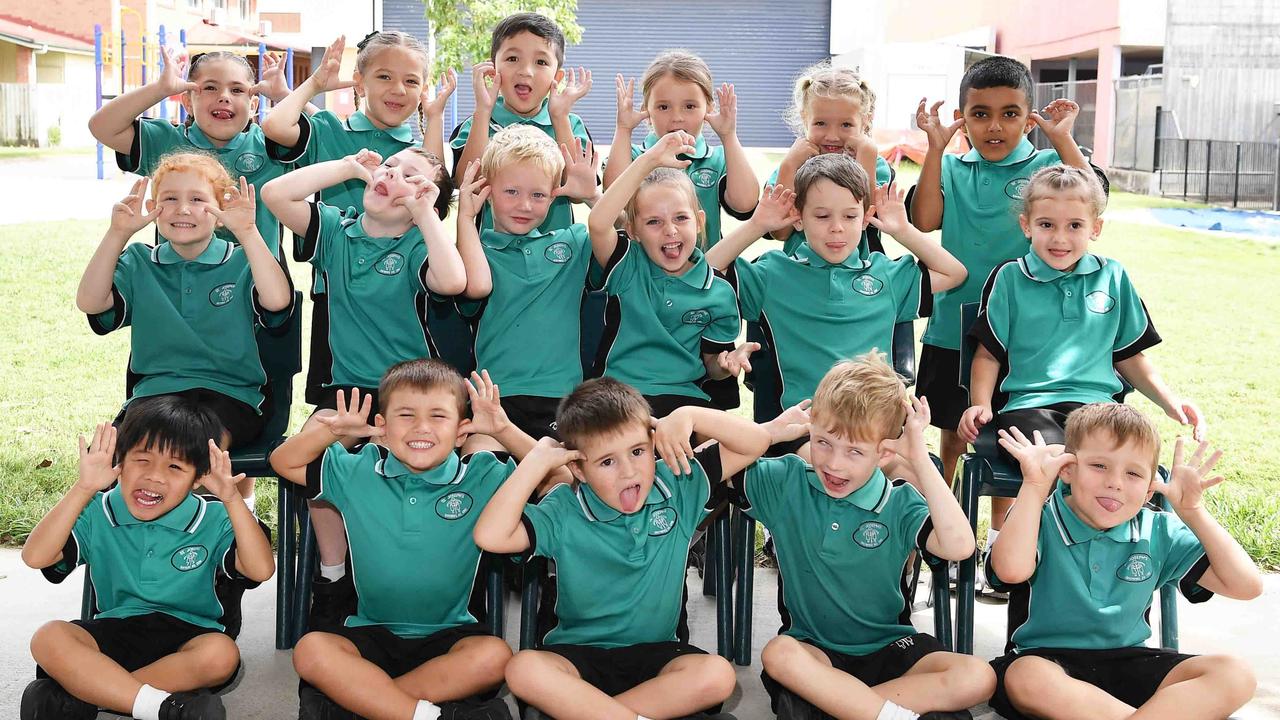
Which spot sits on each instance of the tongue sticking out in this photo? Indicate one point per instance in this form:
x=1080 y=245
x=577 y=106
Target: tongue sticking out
x=671 y=252
x=1109 y=504
x=630 y=497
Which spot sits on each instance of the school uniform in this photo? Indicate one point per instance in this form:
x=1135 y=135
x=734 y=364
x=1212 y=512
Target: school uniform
x=870 y=241
x=244 y=155
x=1085 y=607
x=710 y=177
x=621 y=578
x=193 y=327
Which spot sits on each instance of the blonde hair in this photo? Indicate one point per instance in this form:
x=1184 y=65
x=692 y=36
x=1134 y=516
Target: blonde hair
x=522 y=143
x=1059 y=180
x=422 y=375
x=669 y=177
x=683 y=66
x=861 y=399
x=200 y=163
x=828 y=81
x=599 y=407
x=379 y=40
x=1121 y=423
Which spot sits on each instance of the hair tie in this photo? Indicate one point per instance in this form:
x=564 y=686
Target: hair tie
x=360 y=45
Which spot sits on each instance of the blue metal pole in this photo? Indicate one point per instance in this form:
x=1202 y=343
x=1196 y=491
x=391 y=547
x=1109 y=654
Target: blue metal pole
x=97 y=81
x=262 y=53
x=288 y=67
x=124 y=83
x=182 y=38
x=164 y=104
x=143 y=64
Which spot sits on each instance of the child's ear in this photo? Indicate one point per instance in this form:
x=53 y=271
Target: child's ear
x=575 y=469
x=253 y=104
x=379 y=421
x=464 y=432
x=1031 y=123
x=1025 y=224
x=886 y=454
x=358 y=87
x=1097 y=228
x=151 y=205
x=559 y=77
x=866 y=216
x=958 y=114
x=1067 y=473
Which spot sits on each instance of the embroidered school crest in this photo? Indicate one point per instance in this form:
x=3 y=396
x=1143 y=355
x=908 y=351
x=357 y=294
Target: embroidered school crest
x=1138 y=568
x=871 y=534
x=390 y=264
x=1099 y=302
x=249 y=163
x=868 y=285
x=189 y=558
x=453 y=506
x=222 y=294
x=704 y=178
x=697 y=317
x=1013 y=189
x=662 y=522
x=558 y=253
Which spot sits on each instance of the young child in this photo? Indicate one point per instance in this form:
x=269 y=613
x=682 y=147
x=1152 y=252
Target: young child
x=1082 y=562
x=220 y=96
x=847 y=647
x=156 y=642
x=980 y=191
x=677 y=97
x=670 y=321
x=825 y=303
x=412 y=649
x=831 y=111
x=525 y=285
x=620 y=540
x=194 y=299
x=520 y=84
x=1064 y=324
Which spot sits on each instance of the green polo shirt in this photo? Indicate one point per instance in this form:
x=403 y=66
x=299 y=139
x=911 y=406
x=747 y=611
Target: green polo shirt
x=167 y=565
x=527 y=330
x=840 y=560
x=981 y=202
x=657 y=326
x=560 y=215
x=193 y=320
x=245 y=155
x=621 y=578
x=814 y=314
x=413 y=559
x=1092 y=589
x=710 y=178
x=377 y=291
x=884 y=175
x=1059 y=335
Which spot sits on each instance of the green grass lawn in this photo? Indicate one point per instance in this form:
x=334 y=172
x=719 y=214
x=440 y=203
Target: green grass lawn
x=1210 y=297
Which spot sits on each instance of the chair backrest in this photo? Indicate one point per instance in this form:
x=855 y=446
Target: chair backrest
x=904 y=351
x=281 y=355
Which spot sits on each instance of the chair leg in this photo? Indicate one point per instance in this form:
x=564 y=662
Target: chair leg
x=534 y=569
x=494 y=595
x=88 y=598
x=1169 y=617
x=746 y=583
x=306 y=570
x=719 y=569
x=709 y=560
x=286 y=549
x=942 y=606
x=965 y=576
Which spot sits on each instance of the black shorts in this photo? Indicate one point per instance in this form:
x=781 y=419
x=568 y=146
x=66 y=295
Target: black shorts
x=663 y=405
x=616 y=670
x=136 y=642
x=327 y=398
x=1130 y=675
x=725 y=394
x=532 y=414
x=786 y=447
x=888 y=663
x=239 y=419
x=938 y=378
x=1051 y=421
x=397 y=655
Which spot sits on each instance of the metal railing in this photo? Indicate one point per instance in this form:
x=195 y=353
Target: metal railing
x=1244 y=174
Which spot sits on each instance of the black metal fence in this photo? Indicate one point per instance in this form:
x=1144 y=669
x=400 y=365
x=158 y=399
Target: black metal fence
x=1244 y=174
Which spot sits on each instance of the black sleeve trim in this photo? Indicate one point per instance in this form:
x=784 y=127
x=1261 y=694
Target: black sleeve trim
x=1102 y=178
x=315 y=478
x=304 y=248
x=131 y=162
x=926 y=291
x=922 y=540
x=457 y=152
x=711 y=347
x=743 y=215
x=737 y=491
x=620 y=250
x=60 y=570
x=981 y=330
x=709 y=459
x=1189 y=584
x=533 y=538
x=295 y=153
x=228 y=566
x=117 y=311
x=1148 y=339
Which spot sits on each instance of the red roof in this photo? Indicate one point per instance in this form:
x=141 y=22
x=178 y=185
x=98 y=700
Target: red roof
x=206 y=33
x=34 y=34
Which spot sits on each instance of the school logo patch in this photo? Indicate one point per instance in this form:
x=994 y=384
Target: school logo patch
x=222 y=294
x=1013 y=189
x=697 y=317
x=1099 y=302
x=1138 y=568
x=868 y=285
x=390 y=264
x=871 y=534
x=455 y=505
x=249 y=163
x=189 y=558
x=662 y=521
x=558 y=253
x=704 y=178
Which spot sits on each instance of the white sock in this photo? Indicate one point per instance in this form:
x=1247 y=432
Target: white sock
x=641 y=717
x=248 y=501
x=146 y=706
x=333 y=573
x=991 y=540
x=426 y=711
x=891 y=711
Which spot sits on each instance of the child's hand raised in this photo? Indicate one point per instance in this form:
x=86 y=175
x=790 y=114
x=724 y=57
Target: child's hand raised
x=422 y=203
x=737 y=360
x=671 y=441
x=219 y=480
x=724 y=121
x=129 y=215
x=1187 y=413
x=325 y=76
x=667 y=151
x=938 y=132
x=352 y=419
x=577 y=83
x=239 y=212
x=581 y=167
x=362 y=164
x=1188 y=480
x=1058 y=118
x=628 y=117
x=890 y=211
x=800 y=152
x=434 y=108
x=273 y=85
x=550 y=454
x=776 y=209
x=910 y=446
x=472 y=193
x=487 y=415
x=485 y=82
x=1040 y=463
x=173 y=76
x=97 y=460
x=972 y=420
x=792 y=424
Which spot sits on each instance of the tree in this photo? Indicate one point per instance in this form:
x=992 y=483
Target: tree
x=462 y=29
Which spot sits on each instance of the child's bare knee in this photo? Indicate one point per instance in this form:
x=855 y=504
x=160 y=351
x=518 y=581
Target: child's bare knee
x=1232 y=677
x=220 y=656
x=973 y=678
x=1026 y=680
x=49 y=636
x=490 y=656
x=311 y=654
x=524 y=671
x=781 y=654
x=716 y=678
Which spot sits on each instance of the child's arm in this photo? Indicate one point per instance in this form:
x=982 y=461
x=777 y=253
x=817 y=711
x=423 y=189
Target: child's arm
x=600 y=223
x=254 y=559
x=499 y=528
x=93 y=296
x=293 y=456
x=742 y=442
x=560 y=101
x=1057 y=128
x=742 y=187
x=281 y=125
x=433 y=110
x=1013 y=557
x=628 y=120
x=945 y=271
x=288 y=196
x=472 y=193
x=926 y=204
x=97 y=473
x=1231 y=571
x=1141 y=373
x=983 y=373
x=446 y=275
x=239 y=215
x=800 y=152
x=776 y=209
x=486 y=98
x=112 y=125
